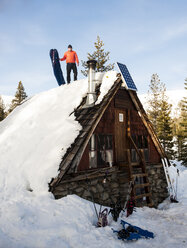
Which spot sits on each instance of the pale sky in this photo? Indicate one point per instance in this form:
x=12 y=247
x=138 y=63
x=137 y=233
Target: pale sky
x=149 y=36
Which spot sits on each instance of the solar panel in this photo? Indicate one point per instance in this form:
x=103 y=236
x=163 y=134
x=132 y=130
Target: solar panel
x=126 y=77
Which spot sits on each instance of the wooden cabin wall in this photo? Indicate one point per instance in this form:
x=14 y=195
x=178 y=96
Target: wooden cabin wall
x=105 y=126
x=84 y=163
x=117 y=177
x=138 y=128
x=153 y=153
x=123 y=101
x=109 y=124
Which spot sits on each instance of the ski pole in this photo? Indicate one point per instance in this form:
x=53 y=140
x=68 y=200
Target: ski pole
x=177 y=182
x=104 y=182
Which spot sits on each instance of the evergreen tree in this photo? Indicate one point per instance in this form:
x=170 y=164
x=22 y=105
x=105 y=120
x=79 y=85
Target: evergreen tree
x=154 y=99
x=164 y=126
x=159 y=113
x=2 y=110
x=19 y=97
x=183 y=129
x=178 y=132
x=100 y=56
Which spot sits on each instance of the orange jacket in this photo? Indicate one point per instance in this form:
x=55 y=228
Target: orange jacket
x=70 y=57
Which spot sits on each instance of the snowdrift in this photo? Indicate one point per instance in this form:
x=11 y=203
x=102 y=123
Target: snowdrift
x=28 y=220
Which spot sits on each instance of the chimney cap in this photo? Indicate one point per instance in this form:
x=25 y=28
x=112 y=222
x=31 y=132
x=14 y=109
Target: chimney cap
x=92 y=63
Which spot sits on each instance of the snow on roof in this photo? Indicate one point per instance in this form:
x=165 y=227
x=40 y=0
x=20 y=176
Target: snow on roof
x=36 y=135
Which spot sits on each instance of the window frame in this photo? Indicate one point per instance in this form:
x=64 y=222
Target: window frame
x=97 y=150
x=142 y=143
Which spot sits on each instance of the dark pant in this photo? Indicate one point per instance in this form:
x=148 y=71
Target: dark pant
x=71 y=66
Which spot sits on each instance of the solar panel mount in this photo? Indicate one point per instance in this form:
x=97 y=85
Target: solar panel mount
x=126 y=77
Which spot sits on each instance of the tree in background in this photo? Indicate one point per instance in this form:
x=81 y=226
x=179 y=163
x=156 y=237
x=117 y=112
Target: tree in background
x=100 y=56
x=182 y=130
x=154 y=99
x=177 y=131
x=164 y=125
x=159 y=113
x=2 y=109
x=19 y=97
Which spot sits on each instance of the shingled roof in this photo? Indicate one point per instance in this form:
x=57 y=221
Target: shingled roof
x=88 y=117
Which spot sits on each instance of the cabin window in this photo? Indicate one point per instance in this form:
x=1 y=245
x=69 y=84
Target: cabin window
x=93 y=152
x=101 y=150
x=121 y=117
x=141 y=142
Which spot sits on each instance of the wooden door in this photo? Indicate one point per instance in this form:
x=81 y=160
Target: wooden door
x=120 y=135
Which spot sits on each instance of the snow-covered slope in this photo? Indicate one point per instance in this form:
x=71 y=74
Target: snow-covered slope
x=36 y=135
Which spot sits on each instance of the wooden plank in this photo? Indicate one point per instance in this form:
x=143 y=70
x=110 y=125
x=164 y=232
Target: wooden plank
x=124 y=103
x=87 y=175
x=143 y=185
x=140 y=175
x=142 y=195
x=129 y=162
x=135 y=164
x=123 y=164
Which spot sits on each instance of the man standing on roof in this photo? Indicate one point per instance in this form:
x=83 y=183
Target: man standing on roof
x=71 y=57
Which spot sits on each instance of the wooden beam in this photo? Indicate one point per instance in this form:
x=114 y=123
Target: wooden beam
x=142 y=195
x=141 y=185
x=86 y=176
x=140 y=175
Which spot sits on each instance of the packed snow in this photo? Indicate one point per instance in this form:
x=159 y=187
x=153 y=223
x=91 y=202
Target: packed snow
x=29 y=220
x=33 y=138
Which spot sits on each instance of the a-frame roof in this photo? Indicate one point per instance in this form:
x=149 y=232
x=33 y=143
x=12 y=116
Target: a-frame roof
x=89 y=118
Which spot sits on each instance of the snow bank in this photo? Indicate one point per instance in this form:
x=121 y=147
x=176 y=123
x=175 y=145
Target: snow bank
x=28 y=220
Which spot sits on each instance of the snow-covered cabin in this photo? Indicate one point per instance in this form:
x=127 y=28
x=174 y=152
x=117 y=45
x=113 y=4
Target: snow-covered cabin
x=115 y=145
